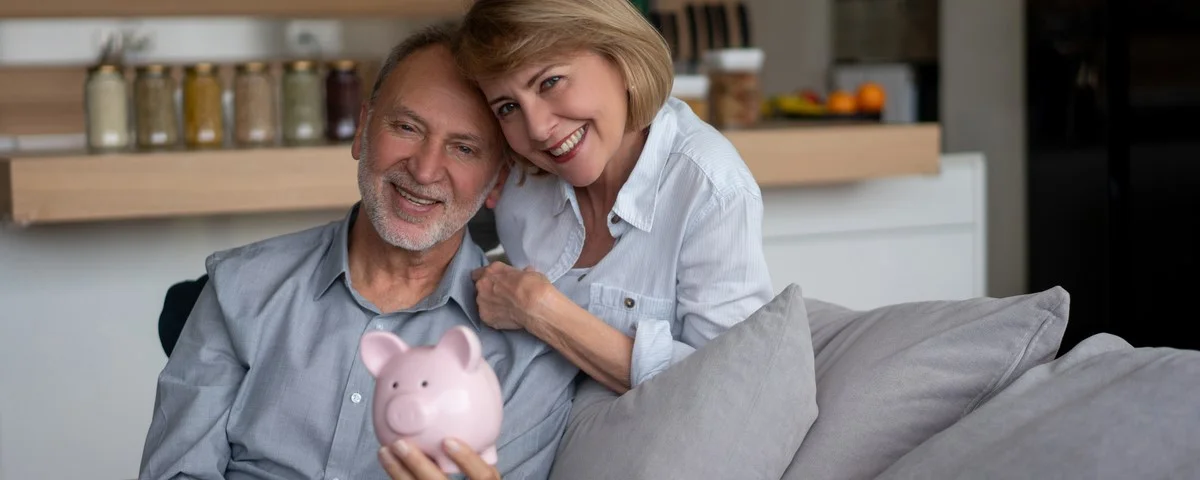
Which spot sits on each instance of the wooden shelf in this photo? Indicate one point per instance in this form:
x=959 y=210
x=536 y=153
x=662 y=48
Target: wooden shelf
x=789 y=154
x=280 y=8
x=46 y=188
x=83 y=187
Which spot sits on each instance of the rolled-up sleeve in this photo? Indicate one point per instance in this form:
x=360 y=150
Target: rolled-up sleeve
x=722 y=279
x=187 y=436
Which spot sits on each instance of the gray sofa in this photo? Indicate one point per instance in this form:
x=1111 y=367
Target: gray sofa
x=804 y=389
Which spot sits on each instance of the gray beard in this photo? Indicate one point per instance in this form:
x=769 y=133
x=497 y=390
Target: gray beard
x=454 y=215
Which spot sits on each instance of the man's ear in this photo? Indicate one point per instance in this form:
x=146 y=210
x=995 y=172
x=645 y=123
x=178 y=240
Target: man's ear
x=494 y=196
x=356 y=148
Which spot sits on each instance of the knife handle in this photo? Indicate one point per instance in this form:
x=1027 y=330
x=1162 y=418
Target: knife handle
x=744 y=24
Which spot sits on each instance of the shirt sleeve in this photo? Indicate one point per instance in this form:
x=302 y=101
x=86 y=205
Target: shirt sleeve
x=195 y=391
x=723 y=278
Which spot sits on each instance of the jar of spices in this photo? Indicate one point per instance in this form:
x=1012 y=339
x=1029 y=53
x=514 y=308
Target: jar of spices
x=254 y=106
x=735 y=91
x=303 y=115
x=343 y=99
x=203 y=120
x=106 y=100
x=154 y=100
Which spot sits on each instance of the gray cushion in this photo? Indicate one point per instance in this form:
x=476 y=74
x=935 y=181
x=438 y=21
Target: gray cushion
x=1103 y=411
x=890 y=378
x=736 y=408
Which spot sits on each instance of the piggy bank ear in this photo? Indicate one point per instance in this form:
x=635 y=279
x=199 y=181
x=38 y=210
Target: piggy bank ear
x=464 y=345
x=377 y=348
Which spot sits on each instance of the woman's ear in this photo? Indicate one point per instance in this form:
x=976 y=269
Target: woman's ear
x=494 y=196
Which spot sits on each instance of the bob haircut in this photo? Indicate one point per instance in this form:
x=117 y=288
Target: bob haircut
x=502 y=36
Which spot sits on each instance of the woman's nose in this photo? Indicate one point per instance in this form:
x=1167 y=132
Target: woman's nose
x=540 y=123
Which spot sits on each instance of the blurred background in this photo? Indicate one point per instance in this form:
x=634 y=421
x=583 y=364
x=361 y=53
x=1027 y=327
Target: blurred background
x=1064 y=150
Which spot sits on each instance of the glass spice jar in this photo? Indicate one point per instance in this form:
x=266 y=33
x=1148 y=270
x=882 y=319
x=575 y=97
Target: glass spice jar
x=254 y=106
x=735 y=90
x=203 y=120
x=303 y=116
x=343 y=99
x=154 y=100
x=106 y=101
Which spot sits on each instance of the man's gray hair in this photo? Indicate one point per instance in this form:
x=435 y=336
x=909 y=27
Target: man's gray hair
x=437 y=34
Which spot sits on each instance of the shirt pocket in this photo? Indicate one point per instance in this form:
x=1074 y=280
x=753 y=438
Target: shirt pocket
x=623 y=309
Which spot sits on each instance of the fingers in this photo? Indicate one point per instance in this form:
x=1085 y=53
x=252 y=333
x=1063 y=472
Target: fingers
x=391 y=464
x=477 y=273
x=411 y=462
x=471 y=464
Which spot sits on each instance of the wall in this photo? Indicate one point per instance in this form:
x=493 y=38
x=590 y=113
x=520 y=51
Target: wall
x=983 y=109
x=78 y=303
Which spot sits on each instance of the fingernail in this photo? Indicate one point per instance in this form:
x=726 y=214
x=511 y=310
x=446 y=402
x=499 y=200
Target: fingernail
x=401 y=448
x=451 y=445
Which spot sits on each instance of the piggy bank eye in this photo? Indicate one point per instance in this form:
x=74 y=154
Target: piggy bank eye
x=424 y=383
x=395 y=385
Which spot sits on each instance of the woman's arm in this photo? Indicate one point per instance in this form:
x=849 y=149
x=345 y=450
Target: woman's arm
x=722 y=279
x=600 y=350
x=524 y=299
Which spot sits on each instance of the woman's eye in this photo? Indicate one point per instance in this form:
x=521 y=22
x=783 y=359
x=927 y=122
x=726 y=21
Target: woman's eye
x=506 y=109
x=549 y=82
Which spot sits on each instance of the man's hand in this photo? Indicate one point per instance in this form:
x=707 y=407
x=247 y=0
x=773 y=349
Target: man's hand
x=404 y=462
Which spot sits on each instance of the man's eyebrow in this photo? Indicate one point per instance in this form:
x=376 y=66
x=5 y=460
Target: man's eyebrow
x=467 y=137
x=532 y=80
x=403 y=111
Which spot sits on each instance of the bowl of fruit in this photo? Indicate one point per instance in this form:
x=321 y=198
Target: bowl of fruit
x=866 y=103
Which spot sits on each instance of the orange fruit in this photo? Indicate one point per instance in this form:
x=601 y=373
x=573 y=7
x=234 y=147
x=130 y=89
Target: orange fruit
x=841 y=102
x=871 y=97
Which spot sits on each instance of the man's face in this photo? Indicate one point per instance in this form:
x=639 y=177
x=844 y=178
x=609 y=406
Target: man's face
x=429 y=152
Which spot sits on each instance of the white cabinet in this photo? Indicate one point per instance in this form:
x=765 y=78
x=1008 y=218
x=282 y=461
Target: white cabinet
x=884 y=241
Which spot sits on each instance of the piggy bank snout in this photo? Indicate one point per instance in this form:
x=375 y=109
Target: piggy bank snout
x=408 y=415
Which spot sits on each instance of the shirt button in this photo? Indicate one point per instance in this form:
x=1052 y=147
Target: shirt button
x=378 y=327
x=629 y=303
x=355 y=397
x=616 y=219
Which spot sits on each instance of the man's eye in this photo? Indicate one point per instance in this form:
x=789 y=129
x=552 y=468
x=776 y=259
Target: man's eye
x=549 y=82
x=465 y=150
x=506 y=109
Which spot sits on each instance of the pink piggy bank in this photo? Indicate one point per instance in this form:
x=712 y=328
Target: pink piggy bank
x=425 y=394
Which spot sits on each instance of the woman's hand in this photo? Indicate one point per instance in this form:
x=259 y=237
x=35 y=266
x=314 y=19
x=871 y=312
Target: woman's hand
x=402 y=461
x=507 y=298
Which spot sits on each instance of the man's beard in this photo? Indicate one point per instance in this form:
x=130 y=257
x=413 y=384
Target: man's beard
x=454 y=215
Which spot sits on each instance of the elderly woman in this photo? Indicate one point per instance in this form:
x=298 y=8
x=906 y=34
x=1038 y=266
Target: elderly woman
x=633 y=227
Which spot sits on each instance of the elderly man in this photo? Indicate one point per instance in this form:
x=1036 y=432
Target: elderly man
x=265 y=381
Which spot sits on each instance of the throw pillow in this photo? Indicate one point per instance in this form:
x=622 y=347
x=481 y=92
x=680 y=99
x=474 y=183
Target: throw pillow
x=890 y=378
x=736 y=408
x=1105 y=410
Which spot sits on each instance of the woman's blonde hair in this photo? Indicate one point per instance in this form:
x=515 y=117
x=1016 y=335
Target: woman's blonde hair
x=501 y=36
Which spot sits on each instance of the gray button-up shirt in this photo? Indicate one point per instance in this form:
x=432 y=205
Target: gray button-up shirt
x=265 y=381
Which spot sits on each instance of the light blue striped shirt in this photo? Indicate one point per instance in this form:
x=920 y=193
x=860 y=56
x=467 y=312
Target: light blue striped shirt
x=688 y=261
x=266 y=382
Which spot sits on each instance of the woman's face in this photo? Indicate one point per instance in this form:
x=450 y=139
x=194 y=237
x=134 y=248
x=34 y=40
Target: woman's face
x=566 y=115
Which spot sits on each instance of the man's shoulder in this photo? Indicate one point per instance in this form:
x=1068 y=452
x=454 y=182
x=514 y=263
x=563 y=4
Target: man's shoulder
x=283 y=253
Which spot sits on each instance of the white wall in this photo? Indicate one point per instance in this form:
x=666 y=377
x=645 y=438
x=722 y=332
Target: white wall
x=983 y=109
x=78 y=303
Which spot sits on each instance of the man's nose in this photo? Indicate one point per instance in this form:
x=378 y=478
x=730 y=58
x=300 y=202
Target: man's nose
x=428 y=165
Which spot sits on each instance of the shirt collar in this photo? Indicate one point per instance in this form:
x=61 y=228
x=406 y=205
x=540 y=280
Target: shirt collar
x=638 y=197
x=456 y=283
